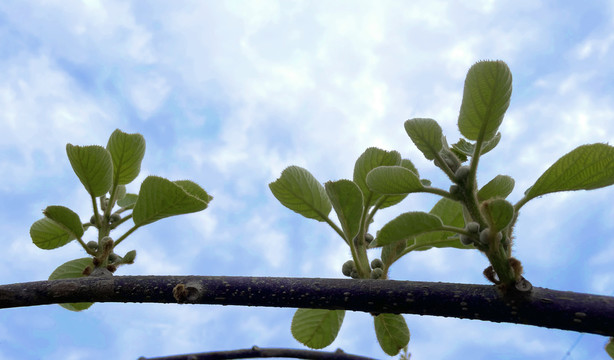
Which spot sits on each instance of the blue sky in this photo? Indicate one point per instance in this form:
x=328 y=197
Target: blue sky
x=230 y=93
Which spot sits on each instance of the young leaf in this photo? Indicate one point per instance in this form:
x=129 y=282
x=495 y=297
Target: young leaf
x=66 y=218
x=160 y=198
x=585 y=168
x=406 y=163
x=499 y=187
x=406 y=226
x=465 y=148
x=369 y=160
x=47 y=234
x=393 y=180
x=128 y=201
x=316 y=328
x=451 y=213
x=346 y=199
x=486 y=97
x=127 y=151
x=69 y=270
x=426 y=135
x=392 y=252
x=499 y=213
x=93 y=166
x=300 y=192
x=392 y=332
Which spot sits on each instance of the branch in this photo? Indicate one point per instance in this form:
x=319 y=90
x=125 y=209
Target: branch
x=540 y=307
x=256 y=352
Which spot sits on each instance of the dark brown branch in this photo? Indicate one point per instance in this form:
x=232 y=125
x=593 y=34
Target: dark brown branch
x=256 y=352
x=540 y=307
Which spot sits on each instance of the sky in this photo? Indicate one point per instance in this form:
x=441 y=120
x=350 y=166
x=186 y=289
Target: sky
x=229 y=93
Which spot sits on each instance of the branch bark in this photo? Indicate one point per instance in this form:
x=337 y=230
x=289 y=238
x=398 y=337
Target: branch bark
x=540 y=307
x=256 y=352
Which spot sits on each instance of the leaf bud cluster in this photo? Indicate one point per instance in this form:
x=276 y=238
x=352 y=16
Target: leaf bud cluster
x=461 y=174
x=474 y=229
x=485 y=235
x=377 y=264
x=377 y=273
x=347 y=268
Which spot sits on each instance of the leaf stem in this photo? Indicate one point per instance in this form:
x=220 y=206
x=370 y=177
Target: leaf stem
x=121 y=238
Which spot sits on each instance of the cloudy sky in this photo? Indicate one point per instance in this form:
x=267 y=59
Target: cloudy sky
x=228 y=94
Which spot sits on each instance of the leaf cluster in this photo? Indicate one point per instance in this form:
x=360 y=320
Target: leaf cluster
x=466 y=217
x=104 y=173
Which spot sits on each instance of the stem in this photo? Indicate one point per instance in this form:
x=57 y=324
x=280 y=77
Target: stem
x=438 y=191
x=444 y=166
x=95 y=207
x=121 y=238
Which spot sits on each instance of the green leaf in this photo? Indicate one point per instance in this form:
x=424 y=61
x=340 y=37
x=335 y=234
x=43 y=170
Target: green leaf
x=392 y=252
x=406 y=226
x=369 y=160
x=300 y=192
x=392 y=332
x=127 y=151
x=70 y=270
x=316 y=328
x=426 y=135
x=121 y=192
x=585 y=168
x=465 y=148
x=486 y=97
x=499 y=187
x=194 y=189
x=499 y=213
x=160 y=198
x=346 y=199
x=47 y=234
x=451 y=214
x=66 y=218
x=93 y=166
x=128 y=201
x=406 y=163
x=393 y=180
x=609 y=347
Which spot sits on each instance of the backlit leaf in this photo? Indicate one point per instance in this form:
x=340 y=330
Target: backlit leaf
x=393 y=180
x=70 y=270
x=369 y=160
x=66 y=218
x=406 y=226
x=486 y=97
x=499 y=213
x=127 y=151
x=47 y=234
x=499 y=187
x=451 y=213
x=466 y=149
x=585 y=168
x=426 y=135
x=392 y=332
x=299 y=191
x=93 y=166
x=160 y=198
x=316 y=328
x=346 y=199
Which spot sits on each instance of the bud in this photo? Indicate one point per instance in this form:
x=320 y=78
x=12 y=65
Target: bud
x=346 y=269
x=129 y=257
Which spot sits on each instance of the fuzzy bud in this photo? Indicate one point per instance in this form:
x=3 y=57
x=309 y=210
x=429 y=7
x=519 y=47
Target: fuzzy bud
x=347 y=267
x=377 y=264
